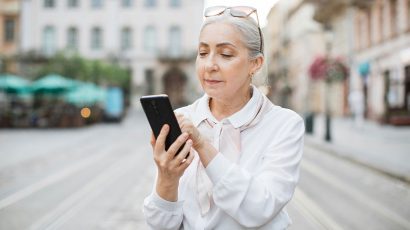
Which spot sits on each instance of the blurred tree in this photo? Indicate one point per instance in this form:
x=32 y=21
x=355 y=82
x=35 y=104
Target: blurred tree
x=78 y=68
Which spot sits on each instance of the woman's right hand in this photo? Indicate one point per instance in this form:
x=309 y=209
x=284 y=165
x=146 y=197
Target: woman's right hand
x=170 y=166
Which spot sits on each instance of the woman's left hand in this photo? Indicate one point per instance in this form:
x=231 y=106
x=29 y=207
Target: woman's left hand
x=194 y=134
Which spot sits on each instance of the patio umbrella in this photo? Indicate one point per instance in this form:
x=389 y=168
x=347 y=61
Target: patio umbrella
x=53 y=83
x=85 y=95
x=14 y=84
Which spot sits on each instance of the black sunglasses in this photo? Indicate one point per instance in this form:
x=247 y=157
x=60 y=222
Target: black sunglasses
x=236 y=11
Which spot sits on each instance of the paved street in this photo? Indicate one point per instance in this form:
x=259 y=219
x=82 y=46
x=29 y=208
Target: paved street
x=96 y=177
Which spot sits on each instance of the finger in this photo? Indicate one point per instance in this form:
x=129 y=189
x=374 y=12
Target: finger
x=160 y=143
x=152 y=141
x=179 y=117
x=183 y=153
x=188 y=161
x=173 y=149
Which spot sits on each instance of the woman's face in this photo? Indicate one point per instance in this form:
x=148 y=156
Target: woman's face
x=223 y=66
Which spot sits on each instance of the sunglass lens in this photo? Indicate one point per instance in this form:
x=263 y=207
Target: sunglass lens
x=214 y=10
x=241 y=11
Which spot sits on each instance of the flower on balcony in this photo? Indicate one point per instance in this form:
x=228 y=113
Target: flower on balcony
x=328 y=69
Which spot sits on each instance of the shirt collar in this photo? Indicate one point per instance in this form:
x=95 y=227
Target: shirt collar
x=237 y=119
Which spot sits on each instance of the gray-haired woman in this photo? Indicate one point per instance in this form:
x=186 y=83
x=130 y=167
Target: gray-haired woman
x=244 y=156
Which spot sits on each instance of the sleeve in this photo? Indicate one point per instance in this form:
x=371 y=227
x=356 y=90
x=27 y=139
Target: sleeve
x=162 y=214
x=255 y=199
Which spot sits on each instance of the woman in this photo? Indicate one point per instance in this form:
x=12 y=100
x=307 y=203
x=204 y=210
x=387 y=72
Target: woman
x=240 y=163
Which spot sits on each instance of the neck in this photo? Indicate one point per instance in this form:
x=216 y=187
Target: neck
x=222 y=108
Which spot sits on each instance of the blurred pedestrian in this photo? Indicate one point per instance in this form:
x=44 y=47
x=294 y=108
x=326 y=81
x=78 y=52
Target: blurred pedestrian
x=244 y=156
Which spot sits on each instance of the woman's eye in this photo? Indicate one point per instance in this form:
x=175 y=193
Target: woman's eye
x=202 y=53
x=227 y=55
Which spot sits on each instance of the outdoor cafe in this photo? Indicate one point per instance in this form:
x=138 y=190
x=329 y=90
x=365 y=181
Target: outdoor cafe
x=50 y=101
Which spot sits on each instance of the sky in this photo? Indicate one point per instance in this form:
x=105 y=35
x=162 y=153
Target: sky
x=263 y=6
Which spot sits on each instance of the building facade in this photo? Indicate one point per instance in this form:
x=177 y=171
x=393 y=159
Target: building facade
x=295 y=40
x=382 y=59
x=9 y=35
x=155 y=39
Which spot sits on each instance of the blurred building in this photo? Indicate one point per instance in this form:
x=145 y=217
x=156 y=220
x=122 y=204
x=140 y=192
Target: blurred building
x=295 y=39
x=371 y=36
x=155 y=39
x=382 y=59
x=9 y=34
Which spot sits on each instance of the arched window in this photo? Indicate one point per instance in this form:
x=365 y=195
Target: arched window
x=96 y=3
x=49 y=3
x=126 y=38
x=175 y=3
x=96 y=38
x=175 y=41
x=72 y=3
x=126 y=3
x=72 y=38
x=49 y=40
x=150 y=39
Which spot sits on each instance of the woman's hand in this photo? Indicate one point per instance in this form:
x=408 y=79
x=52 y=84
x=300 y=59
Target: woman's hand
x=187 y=126
x=170 y=166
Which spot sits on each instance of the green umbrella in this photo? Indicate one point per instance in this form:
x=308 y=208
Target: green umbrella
x=14 y=84
x=53 y=83
x=85 y=95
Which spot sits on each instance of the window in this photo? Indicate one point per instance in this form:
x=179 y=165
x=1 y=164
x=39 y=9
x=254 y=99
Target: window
x=96 y=38
x=408 y=14
x=379 y=21
x=368 y=27
x=396 y=87
x=126 y=38
x=394 y=17
x=96 y=3
x=175 y=3
x=150 y=3
x=72 y=3
x=9 y=30
x=49 y=39
x=72 y=38
x=49 y=3
x=126 y=3
x=150 y=39
x=175 y=41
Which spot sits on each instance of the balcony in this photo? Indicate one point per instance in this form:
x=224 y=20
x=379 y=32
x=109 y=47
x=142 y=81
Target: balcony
x=326 y=9
x=10 y=7
x=167 y=55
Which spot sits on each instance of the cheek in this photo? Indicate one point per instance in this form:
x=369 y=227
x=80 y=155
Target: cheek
x=199 y=67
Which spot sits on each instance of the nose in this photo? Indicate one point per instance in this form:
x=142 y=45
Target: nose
x=210 y=64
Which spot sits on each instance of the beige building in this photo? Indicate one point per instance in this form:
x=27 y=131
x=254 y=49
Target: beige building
x=294 y=40
x=9 y=34
x=382 y=59
x=155 y=39
x=370 y=36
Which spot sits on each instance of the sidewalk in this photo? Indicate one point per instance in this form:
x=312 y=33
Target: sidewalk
x=382 y=147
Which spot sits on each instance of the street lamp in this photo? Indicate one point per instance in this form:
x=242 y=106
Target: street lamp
x=328 y=33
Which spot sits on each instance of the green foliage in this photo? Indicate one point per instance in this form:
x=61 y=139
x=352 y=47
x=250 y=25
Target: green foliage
x=78 y=68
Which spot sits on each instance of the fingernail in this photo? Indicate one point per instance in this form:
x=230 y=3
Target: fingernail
x=166 y=127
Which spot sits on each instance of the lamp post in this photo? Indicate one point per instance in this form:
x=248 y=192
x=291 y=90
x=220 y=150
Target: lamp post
x=328 y=32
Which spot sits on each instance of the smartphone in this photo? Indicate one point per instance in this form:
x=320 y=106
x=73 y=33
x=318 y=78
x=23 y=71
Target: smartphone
x=159 y=112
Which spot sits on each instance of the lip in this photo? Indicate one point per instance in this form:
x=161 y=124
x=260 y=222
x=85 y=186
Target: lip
x=212 y=82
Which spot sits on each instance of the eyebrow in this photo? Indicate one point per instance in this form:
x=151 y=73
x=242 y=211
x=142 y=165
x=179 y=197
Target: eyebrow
x=219 y=44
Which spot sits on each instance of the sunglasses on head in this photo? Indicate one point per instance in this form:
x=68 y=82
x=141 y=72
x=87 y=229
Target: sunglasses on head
x=236 y=11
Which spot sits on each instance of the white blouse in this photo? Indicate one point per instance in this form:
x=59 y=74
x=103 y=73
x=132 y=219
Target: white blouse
x=249 y=194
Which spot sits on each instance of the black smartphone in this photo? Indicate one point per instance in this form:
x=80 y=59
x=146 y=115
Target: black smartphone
x=159 y=112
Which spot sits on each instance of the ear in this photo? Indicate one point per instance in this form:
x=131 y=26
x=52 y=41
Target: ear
x=256 y=64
